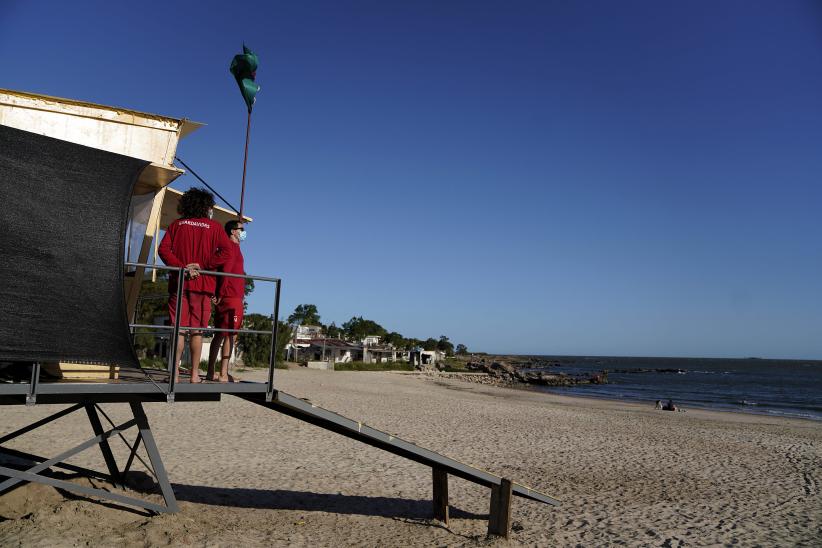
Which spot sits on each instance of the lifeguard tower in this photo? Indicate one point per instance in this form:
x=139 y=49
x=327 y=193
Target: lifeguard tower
x=90 y=184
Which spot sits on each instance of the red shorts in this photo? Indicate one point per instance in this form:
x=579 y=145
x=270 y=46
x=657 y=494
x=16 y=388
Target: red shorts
x=229 y=314
x=195 y=310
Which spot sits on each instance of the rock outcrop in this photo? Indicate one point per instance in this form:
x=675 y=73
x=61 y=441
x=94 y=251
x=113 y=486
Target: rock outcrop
x=508 y=374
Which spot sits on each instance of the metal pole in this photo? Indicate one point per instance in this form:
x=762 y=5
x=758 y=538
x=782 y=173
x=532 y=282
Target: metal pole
x=105 y=448
x=245 y=161
x=157 y=329
x=134 y=317
x=41 y=422
x=65 y=455
x=208 y=186
x=133 y=453
x=210 y=272
x=172 y=354
x=154 y=456
x=272 y=360
x=31 y=397
x=69 y=486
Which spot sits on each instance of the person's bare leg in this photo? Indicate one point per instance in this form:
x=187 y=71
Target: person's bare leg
x=181 y=345
x=196 y=350
x=213 y=352
x=228 y=346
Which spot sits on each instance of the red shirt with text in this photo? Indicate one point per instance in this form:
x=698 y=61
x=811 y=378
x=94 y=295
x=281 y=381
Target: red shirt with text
x=198 y=240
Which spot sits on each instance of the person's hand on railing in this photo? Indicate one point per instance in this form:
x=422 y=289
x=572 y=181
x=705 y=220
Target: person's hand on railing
x=193 y=270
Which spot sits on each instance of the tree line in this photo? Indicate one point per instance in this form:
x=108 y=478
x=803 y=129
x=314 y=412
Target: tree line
x=357 y=328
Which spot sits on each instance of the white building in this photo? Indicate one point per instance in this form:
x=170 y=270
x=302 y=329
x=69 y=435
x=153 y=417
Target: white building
x=308 y=332
x=371 y=340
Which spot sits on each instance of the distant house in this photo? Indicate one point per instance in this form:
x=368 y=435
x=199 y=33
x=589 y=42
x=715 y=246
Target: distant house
x=308 y=344
x=371 y=340
x=301 y=341
x=308 y=332
x=432 y=357
x=426 y=357
x=332 y=350
x=383 y=353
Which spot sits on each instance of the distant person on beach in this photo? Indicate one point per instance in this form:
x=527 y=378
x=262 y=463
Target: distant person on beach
x=229 y=303
x=197 y=243
x=669 y=406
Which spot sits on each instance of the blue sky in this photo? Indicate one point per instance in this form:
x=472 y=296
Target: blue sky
x=602 y=178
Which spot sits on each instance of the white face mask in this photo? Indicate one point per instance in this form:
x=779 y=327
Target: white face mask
x=242 y=235
x=210 y=213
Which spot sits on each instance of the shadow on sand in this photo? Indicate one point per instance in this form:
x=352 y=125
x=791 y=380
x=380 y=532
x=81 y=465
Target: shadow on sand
x=279 y=499
x=276 y=499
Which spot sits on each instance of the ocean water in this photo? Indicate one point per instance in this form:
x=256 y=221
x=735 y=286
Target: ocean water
x=790 y=388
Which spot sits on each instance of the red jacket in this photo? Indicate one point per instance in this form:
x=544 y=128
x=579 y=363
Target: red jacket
x=232 y=287
x=200 y=241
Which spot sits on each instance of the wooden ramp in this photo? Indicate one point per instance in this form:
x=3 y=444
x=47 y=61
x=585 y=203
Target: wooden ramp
x=502 y=489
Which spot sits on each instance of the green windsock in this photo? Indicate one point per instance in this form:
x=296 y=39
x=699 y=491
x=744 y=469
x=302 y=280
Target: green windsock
x=244 y=69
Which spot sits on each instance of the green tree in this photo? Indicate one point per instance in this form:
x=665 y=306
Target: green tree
x=444 y=345
x=333 y=332
x=284 y=334
x=429 y=344
x=462 y=350
x=305 y=314
x=395 y=339
x=247 y=290
x=151 y=303
x=256 y=348
x=357 y=328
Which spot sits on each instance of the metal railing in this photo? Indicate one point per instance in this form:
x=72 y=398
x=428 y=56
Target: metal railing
x=176 y=328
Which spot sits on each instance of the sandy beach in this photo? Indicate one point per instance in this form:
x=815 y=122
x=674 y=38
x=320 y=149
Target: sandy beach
x=626 y=474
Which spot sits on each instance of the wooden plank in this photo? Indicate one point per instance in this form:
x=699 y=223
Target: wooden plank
x=440 y=477
x=134 y=283
x=85 y=371
x=499 y=519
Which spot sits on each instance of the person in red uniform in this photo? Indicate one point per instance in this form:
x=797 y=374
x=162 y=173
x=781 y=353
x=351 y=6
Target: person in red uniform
x=195 y=242
x=229 y=301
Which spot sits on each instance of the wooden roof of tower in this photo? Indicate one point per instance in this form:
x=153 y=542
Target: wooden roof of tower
x=150 y=137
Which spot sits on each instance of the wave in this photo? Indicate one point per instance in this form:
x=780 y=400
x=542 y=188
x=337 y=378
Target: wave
x=795 y=409
x=793 y=414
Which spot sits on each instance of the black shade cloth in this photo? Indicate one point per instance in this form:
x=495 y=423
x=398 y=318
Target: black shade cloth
x=63 y=215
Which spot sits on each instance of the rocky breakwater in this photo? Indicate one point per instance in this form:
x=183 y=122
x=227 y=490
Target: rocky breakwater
x=506 y=373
